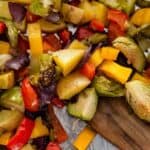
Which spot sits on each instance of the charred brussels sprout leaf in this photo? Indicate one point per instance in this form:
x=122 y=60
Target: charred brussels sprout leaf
x=107 y=87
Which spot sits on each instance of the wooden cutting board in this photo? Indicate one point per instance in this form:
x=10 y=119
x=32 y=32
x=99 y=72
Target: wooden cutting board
x=115 y=121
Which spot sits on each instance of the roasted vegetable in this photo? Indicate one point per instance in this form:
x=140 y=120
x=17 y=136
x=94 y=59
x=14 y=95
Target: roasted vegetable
x=116 y=71
x=51 y=27
x=86 y=105
x=40 y=8
x=74 y=83
x=36 y=46
x=3 y=59
x=11 y=31
x=143 y=3
x=96 y=57
x=80 y=143
x=67 y=60
x=39 y=129
x=107 y=87
x=4 y=138
x=133 y=53
x=77 y=45
x=93 y=10
x=7 y=80
x=12 y=98
x=72 y=14
x=4 y=10
x=141 y=17
x=109 y=53
x=9 y=119
x=138 y=96
x=143 y=37
x=126 y=5
x=4 y=47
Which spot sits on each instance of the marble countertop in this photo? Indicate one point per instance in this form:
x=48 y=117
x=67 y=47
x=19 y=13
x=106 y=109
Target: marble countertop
x=73 y=127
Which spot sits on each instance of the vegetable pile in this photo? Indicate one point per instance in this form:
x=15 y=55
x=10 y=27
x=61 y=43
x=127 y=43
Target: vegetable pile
x=69 y=53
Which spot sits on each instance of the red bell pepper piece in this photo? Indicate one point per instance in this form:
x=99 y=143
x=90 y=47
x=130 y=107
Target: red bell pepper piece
x=30 y=97
x=88 y=70
x=60 y=134
x=2 y=27
x=114 y=31
x=118 y=17
x=65 y=36
x=30 y=18
x=97 y=25
x=57 y=102
x=83 y=33
x=53 y=42
x=22 y=135
x=53 y=146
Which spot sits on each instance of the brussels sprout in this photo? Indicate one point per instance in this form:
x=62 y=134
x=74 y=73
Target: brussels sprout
x=107 y=87
x=138 y=97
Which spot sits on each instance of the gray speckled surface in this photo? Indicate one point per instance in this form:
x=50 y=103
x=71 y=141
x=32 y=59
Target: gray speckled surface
x=73 y=127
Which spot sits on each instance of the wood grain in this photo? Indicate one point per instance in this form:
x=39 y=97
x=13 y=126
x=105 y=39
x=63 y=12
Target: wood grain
x=115 y=121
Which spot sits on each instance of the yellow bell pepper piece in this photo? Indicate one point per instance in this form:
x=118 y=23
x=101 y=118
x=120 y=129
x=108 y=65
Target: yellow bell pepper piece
x=109 y=53
x=84 y=139
x=28 y=147
x=4 y=138
x=141 y=17
x=39 y=129
x=77 y=45
x=96 y=58
x=140 y=77
x=36 y=45
x=4 y=47
x=116 y=71
x=93 y=10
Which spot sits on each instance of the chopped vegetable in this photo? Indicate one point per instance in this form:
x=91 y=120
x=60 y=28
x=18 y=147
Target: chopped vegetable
x=107 y=87
x=4 y=46
x=96 y=58
x=28 y=147
x=97 y=25
x=118 y=17
x=74 y=83
x=12 y=98
x=93 y=10
x=72 y=14
x=11 y=31
x=2 y=27
x=18 y=11
x=9 y=119
x=30 y=97
x=80 y=143
x=67 y=60
x=116 y=71
x=4 y=10
x=40 y=8
x=143 y=3
x=86 y=105
x=131 y=50
x=109 y=53
x=142 y=78
x=4 y=138
x=7 y=80
x=36 y=46
x=141 y=17
x=39 y=129
x=3 y=60
x=88 y=70
x=22 y=134
x=77 y=45
x=137 y=95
